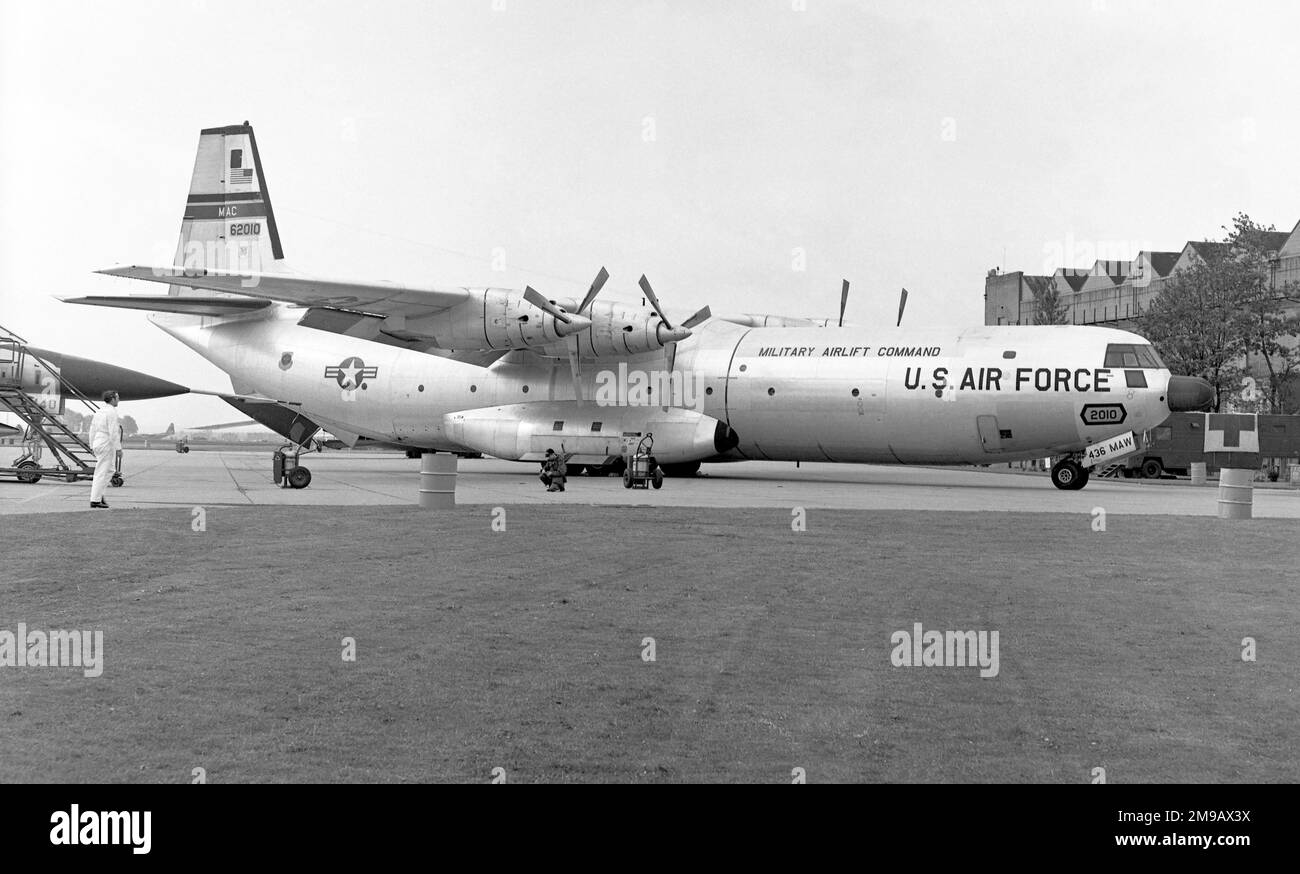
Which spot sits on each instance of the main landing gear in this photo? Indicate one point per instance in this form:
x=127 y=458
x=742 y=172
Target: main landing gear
x=285 y=470
x=1069 y=475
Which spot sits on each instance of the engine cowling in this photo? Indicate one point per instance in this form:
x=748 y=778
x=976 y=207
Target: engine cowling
x=618 y=330
x=492 y=318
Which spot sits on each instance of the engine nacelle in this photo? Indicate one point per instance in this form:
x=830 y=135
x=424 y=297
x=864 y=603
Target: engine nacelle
x=492 y=318
x=619 y=330
x=523 y=432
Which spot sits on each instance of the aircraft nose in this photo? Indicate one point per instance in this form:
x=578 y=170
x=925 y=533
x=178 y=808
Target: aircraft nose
x=1188 y=394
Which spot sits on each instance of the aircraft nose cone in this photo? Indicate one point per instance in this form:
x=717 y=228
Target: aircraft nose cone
x=575 y=324
x=668 y=335
x=1189 y=393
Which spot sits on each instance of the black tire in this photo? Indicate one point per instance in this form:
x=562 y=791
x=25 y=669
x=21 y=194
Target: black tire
x=1152 y=469
x=116 y=481
x=1069 y=476
x=657 y=480
x=299 y=478
x=627 y=479
x=28 y=477
x=576 y=469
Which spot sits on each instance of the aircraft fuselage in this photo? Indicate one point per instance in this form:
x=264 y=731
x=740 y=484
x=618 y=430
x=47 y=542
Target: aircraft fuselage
x=888 y=395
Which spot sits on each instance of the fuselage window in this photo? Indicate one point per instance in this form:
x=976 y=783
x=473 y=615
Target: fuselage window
x=236 y=158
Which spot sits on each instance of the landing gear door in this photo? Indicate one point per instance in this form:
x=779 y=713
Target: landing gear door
x=990 y=435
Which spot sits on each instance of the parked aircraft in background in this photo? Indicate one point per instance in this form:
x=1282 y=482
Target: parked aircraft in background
x=510 y=373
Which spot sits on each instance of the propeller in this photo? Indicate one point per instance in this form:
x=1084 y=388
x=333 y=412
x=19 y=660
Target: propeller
x=701 y=315
x=669 y=337
x=844 y=301
x=902 y=304
x=572 y=345
x=534 y=297
x=596 y=285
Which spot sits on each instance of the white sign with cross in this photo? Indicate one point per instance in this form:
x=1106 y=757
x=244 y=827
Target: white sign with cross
x=1231 y=432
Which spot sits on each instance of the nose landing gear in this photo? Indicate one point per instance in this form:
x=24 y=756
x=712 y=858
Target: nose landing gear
x=1068 y=475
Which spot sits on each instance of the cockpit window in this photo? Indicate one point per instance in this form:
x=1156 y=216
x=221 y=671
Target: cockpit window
x=1147 y=357
x=1132 y=355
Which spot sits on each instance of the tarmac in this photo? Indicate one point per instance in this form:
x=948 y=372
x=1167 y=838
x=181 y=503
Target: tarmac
x=160 y=478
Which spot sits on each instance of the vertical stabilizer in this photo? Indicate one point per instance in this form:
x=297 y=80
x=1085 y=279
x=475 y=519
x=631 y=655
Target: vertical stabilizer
x=228 y=223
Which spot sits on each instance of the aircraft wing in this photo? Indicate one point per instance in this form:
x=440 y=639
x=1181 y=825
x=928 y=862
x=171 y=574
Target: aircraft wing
x=375 y=297
x=194 y=306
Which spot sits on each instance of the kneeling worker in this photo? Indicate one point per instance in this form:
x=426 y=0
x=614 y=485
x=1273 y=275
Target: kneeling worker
x=554 y=471
x=105 y=441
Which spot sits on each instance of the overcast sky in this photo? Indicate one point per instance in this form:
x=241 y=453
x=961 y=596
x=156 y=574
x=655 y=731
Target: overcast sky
x=701 y=142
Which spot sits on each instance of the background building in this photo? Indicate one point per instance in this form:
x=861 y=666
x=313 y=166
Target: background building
x=1111 y=293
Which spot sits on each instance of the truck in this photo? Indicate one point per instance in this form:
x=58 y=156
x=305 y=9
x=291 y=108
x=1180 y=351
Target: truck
x=1179 y=441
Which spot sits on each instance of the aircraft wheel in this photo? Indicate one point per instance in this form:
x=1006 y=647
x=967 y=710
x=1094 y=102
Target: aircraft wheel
x=684 y=468
x=299 y=478
x=577 y=469
x=658 y=479
x=116 y=481
x=1069 y=476
x=24 y=477
x=1152 y=469
x=627 y=479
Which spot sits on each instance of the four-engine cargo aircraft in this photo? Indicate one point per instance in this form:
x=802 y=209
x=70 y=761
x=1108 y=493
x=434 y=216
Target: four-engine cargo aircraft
x=507 y=373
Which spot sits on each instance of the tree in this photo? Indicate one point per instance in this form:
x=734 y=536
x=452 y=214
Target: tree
x=1268 y=330
x=1195 y=322
x=1049 y=309
x=129 y=427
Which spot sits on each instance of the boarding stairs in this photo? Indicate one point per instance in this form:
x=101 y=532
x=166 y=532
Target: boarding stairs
x=72 y=458
x=1112 y=470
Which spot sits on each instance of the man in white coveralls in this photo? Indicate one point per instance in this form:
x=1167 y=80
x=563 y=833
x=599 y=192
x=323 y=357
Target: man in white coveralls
x=105 y=441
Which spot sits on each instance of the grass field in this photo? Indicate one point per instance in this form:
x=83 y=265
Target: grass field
x=522 y=649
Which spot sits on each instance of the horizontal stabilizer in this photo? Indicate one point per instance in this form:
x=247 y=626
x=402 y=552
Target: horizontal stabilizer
x=194 y=306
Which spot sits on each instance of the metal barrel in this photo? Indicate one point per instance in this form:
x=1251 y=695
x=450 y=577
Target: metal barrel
x=1236 y=493
x=1197 y=470
x=437 y=481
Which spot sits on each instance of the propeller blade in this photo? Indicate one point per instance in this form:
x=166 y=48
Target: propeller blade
x=654 y=301
x=535 y=298
x=572 y=346
x=902 y=304
x=701 y=316
x=601 y=278
x=671 y=351
x=844 y=301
